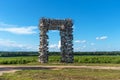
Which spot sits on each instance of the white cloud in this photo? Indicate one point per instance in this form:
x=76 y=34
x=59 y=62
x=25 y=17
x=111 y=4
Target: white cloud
x=77 y=41
x=80 y=48
x=53 y=46
x=92 y=44
x=83 y=41
x=80 y=41
x=97 y=38
x=18 y=30
x=12 y=45
x=77 y=49
x=101 y=38
x=84 y=46
x=59 y=44
x=6 y=25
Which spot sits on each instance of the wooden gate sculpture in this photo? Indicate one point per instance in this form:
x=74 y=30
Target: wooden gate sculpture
x=66 y=30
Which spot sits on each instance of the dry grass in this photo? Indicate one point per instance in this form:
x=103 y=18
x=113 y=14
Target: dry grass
x=63 y=74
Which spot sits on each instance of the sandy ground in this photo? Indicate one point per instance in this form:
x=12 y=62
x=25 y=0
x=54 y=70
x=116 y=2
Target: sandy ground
x=9 y=69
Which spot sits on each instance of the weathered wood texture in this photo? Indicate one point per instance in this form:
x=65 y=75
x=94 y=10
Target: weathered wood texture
x=66 y=30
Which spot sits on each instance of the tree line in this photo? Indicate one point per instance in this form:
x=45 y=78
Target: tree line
x=14 y=54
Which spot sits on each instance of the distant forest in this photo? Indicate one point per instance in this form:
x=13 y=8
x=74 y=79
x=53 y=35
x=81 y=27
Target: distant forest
x=15 y=54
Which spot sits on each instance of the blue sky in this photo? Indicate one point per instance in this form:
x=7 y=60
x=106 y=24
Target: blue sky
x=96 y=24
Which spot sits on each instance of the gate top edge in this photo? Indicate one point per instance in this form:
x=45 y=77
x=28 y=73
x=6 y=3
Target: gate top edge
x=56 y=22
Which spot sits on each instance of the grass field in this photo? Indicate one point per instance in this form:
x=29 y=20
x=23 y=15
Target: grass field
x=56 y=59
x=64 y=74
x=18 y=60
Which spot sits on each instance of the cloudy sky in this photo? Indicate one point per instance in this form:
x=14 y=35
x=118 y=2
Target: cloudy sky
x=96 y=24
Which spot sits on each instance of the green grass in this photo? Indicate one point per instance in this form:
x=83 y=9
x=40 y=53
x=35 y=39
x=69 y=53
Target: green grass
x=56 y=59
x=98 y=59
x=64 y=74
x=18 y=60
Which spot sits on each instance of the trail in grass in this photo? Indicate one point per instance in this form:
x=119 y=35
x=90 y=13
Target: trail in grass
x=9 y=69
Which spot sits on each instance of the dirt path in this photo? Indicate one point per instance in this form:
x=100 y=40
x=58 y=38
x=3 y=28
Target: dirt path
x=8 y=69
